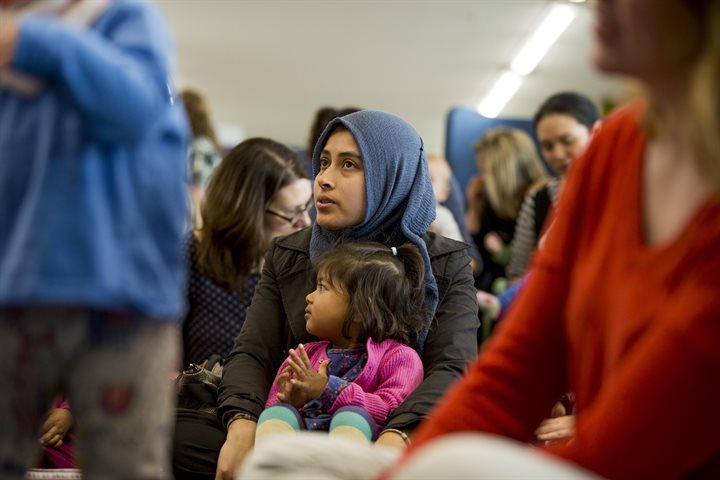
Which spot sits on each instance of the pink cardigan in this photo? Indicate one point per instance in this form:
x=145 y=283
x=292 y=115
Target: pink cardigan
x=392 y=372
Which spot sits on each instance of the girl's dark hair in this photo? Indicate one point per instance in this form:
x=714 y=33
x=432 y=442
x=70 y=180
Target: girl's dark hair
x=385 y=290
x=572 y=104
x=233 y=240
x=322 y=117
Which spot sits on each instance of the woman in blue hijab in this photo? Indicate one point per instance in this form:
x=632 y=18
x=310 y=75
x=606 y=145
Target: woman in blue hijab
x=379 y=157
x=371 y=183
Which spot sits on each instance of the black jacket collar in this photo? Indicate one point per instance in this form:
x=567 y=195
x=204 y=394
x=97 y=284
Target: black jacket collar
x=437 y=245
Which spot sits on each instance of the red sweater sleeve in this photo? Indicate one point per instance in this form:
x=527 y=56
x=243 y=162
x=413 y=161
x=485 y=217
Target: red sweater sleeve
x=657 y=415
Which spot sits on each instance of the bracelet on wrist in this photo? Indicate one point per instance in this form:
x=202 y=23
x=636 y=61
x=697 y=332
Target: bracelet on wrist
x=402 y=434
x=244 y=416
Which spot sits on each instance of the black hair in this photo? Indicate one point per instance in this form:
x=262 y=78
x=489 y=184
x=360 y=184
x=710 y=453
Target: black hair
x=322 y=118
x=385 y=288
x=575 y=105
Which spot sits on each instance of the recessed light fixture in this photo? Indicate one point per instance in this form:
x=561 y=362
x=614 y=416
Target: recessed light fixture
x=549 y=30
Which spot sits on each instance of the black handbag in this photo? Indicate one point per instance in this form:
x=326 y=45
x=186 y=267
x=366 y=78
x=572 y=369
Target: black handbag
x=197 y=386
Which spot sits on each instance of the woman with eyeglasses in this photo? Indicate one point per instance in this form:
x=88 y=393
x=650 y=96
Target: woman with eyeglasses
x=260 y=191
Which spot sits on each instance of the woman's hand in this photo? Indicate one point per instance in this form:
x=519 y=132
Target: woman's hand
x=305 y=383
x=488 y=303
x=240 y=440
x=493 y=243
x=8 y=41
x=556 y=429
x=58 y=423
x=391 y=439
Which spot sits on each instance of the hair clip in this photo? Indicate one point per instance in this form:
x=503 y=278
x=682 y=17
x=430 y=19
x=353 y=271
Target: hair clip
x=394 y=251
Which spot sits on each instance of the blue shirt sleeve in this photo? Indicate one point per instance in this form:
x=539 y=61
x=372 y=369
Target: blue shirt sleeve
x=508 y=296
x=334 y=387
x=116 y=72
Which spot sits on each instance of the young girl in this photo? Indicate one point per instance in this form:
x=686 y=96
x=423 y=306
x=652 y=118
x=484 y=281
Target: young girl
x=367 y=308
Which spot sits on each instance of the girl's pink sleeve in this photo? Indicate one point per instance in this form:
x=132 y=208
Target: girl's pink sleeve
x=61 y=402
x=274 y=390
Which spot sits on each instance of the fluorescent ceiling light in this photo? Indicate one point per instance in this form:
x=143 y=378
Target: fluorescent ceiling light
x=546 y=34
x=500 y=94
x=554 y=24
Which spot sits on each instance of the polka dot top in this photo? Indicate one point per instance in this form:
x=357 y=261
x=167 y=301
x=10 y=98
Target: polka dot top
x=214 y=315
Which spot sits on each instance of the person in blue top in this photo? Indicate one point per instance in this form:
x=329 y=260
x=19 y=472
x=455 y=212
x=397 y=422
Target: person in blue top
x=92 y=216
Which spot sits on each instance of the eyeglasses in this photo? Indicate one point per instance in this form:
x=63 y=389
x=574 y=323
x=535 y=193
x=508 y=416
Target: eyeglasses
x=297 y=216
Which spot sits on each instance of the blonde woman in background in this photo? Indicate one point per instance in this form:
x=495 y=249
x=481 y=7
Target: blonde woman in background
x=509 y=167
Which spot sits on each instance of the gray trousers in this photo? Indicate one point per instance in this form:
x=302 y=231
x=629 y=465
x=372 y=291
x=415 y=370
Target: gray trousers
x=116 y=372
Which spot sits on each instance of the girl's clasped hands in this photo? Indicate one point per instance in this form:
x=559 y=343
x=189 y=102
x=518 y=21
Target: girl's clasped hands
x=299 y=382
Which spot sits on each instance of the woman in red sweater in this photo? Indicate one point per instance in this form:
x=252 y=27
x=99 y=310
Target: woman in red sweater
x=623 y=303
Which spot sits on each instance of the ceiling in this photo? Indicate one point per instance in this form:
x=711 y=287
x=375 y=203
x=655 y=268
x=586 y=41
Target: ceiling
x=266 y=66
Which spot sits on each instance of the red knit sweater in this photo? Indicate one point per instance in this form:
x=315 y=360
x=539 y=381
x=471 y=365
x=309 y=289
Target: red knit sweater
x=633 y=330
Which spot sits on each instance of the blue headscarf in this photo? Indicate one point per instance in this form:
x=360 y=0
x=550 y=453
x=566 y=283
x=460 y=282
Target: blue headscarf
x=400 y=204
